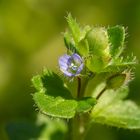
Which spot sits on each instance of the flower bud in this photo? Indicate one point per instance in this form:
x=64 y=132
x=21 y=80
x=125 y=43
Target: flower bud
x=99 y=49
x=116 y=81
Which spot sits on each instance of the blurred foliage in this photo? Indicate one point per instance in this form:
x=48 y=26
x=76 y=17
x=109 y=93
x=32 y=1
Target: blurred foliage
x=30 y=38
x=41 y=129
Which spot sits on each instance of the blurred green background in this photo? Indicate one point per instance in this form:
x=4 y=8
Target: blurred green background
x=31 y=38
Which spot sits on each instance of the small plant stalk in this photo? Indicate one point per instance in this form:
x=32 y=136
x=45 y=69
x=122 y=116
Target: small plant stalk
x=77 y=124
x=77 y=128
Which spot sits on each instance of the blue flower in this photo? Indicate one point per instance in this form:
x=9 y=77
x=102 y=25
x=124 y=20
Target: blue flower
x=71 y=65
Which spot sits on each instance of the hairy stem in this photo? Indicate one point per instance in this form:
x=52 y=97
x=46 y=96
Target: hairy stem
x=100 y=94
x=78 y=87
x=76 y=128
x=82 y=84
x=77 y=124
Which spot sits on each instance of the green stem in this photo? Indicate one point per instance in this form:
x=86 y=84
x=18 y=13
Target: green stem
x=77 y=124
x=81 y=86
x=76 y=128
x=100 y=94
x=78 y=87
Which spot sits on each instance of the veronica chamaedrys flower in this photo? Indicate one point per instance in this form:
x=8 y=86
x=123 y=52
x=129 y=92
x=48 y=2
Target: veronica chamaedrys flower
x=71 y=65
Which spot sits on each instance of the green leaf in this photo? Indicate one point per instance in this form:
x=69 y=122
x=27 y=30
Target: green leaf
x=54 y=99
x=125 y=114
x=98 y=49
x=127 y=61
x=108 y=97
x=37 y=82
x=83 y=47
x=78 y=37
x=122 y=63
x=86 y=104
x=74 y=27
x=69 y=43
x=55 y=107
x=84 y=31
x=98 y=41
x=95 y=64
x=112 y=110
x=116 y=37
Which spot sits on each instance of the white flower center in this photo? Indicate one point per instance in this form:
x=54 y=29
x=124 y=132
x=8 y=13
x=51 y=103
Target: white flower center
x=73 y=66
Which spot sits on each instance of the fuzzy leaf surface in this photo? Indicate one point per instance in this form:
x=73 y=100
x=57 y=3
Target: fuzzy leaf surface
x=97 y=39
x=112 y=110
x=116 y=37
x=54 y=99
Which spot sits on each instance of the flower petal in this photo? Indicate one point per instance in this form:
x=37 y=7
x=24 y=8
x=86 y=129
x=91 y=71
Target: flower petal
x=77 y=58
x=63 y=61
x=71 y=65
x=80 y=68
x=67 y=73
